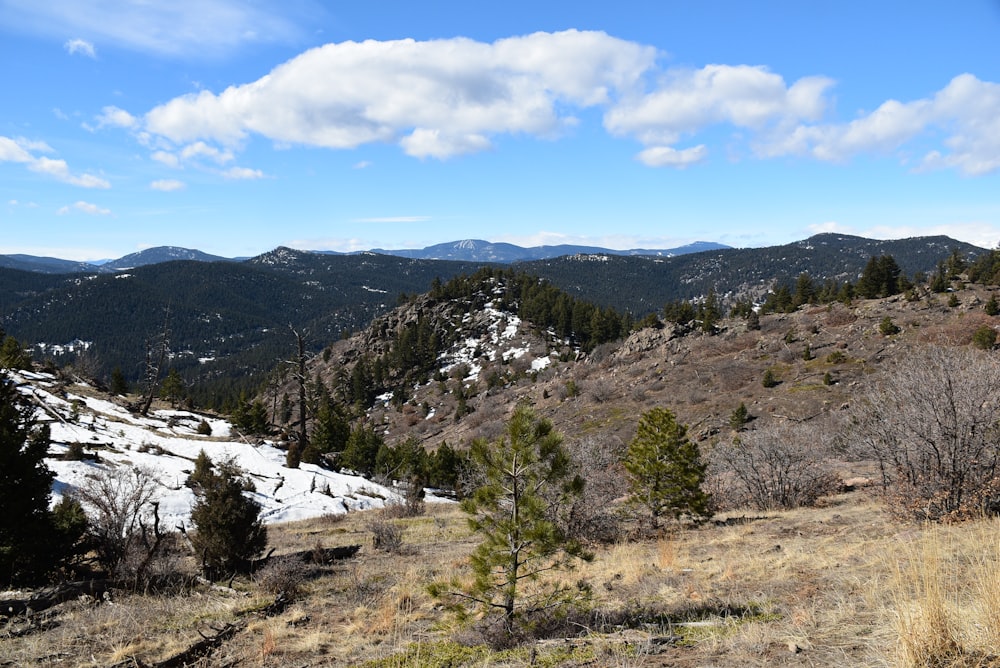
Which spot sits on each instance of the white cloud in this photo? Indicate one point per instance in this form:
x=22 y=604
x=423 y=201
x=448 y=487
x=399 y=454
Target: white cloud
x=450 y=97
x=115 y=117
x=966 y=113
x=202 y=150
x=180 y=28
x=242 y=173
x=666 y=156
x=426 y=143
x=166 y=158
x=393 y=219
x=75 y=46
x=363 y=164
x=84 y=207
x=436 y=98
x=12 y=151
x=167 y=185
x=687 y=101
x=19 y=150
x=60 y=170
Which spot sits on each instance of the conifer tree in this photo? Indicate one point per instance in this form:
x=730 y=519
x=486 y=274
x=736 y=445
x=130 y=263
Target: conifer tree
x=524 y=475
x=31 y=543
x=665 y=469
x=119 y=385
x=992 y=307
x=229 y=530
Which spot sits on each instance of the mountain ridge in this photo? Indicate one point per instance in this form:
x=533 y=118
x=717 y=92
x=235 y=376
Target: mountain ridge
x=466 y=250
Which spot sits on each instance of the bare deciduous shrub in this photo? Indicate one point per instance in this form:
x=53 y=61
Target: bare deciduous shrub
x=777 y=466
x=283 y=575
x=366 y=590
x=124 y=525
x=592 y=516
x=839 y=315
x=386 y=536
x=600 y=391
x=604 y=351
x=931 y=424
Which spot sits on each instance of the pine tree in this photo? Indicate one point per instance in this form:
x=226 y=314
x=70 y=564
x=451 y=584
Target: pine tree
x=12 y=354
x=31 y=543
x=523 y=476
x=173 y=389
x=119 y=385
x=229 y=530
x=739 y=417
x=665 y=469
x=992 y=306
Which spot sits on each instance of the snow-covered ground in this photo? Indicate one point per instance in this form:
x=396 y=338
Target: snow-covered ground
x=166 y=444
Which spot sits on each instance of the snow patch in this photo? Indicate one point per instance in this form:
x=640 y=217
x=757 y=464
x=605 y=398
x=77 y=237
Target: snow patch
x=166 y=444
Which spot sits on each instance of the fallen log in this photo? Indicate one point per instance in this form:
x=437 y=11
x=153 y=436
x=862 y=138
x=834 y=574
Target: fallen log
x=52 y=596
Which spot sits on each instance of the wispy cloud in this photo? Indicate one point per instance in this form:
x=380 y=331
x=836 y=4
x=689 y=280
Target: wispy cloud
x=84 y=207
x=80 y=46
x=242 y=174
x=167 y=185
x=175 y=28
x=22 y=151
x=393 y=219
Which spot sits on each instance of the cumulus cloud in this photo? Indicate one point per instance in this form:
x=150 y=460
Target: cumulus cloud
x=84 y=207
x=450 y=97
x=22 y=151
x=167 y=185
x=75 y=46
x=178 y=28
x=435 y=98
x=966 y=113
x=687 y=101
x=115 y=117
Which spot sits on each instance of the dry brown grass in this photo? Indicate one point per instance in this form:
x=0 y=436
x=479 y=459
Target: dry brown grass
x=838 y=585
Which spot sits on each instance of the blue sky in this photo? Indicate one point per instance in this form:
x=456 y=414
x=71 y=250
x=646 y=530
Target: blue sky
x=236 y=126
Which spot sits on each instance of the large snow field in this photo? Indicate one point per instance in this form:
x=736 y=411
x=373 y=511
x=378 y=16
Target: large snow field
x=166 y=444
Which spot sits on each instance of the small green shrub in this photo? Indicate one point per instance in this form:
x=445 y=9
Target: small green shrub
x=985 y=337
x=887 y=327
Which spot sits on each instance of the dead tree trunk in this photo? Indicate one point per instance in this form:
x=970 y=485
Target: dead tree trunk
x=295 y=449
x=156 y=357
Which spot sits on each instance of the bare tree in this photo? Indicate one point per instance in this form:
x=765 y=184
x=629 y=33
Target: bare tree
x=781 y=465
x=157 y=349
x=298 y=364
x=125 y=524
x=931 y=424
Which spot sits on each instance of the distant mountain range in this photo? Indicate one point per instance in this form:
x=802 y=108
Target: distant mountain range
x=469 y=250
x=230 y=322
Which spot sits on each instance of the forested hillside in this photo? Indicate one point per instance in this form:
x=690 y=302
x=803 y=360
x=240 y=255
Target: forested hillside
x=227 y=324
